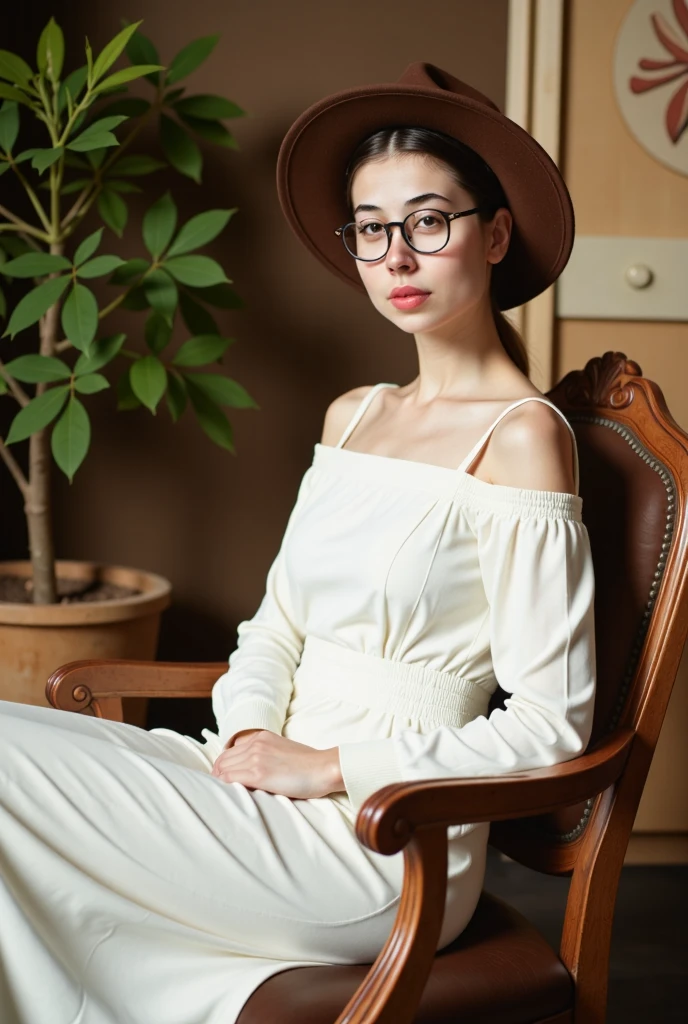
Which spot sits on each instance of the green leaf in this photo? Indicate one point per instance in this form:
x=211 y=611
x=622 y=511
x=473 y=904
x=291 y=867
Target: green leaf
x=126 y=187
x=135 y=299
x=35 y=264
x=38 y=301
x=176 y=396
x=159 y=223
x=88 y=247
x=96 y=156
x=197 y=319
x=71 y=438
x=13 y=69
x=140 y=50
x=89 y=60
x=104 y=124
x=113 y=210
x=130 y=106
x=80 y=317
x=98 y=134
x=85 y=145
x=208 y=108
x=126 y=75
x=36 y=416
x=79 y=162
x=211 y=418
x=222 y=296
x=50 y=51
x=132 y=166
x=222 y=390
x=161 y=293
x=4 y=389
x=180 y=149
x=203 y=349
x=73 y=84
x=9 y=125
x=4 y=167
x=148 y=381
x=99 y=266
x=211 y=131
x=101 y=352
x=129 y=270
x=172 y=95
x=126 y=399
x=8 y=92
x=196 y=271
x=109 y=54
x=157 y=332
x=200 y=230
x=91 y=383
x=188 y=59
x=35 y=369
x=44 y=158
x=74 y=186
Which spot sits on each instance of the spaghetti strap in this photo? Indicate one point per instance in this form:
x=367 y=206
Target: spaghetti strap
x=357 y=416
x=480 y=444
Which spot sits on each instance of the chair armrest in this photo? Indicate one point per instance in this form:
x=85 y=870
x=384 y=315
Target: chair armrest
x=389 y=817
x=100 y=685
x=414 y=816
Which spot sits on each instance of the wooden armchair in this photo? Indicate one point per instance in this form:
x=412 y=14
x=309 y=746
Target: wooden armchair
x=571 y=819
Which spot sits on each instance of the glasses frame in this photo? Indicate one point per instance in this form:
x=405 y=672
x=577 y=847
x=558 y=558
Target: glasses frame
x=401 y=224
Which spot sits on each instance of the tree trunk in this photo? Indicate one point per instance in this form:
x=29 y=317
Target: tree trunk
x=38 y=505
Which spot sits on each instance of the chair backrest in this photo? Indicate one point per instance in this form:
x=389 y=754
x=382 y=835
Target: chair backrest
x=634 y=484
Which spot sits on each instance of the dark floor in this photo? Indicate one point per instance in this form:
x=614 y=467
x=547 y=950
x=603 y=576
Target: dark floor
x=648 y=977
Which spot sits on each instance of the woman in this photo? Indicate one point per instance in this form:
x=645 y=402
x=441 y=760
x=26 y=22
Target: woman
x=435 y=549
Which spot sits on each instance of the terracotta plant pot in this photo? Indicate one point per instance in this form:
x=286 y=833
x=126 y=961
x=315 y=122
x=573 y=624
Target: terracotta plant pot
x=37 y=639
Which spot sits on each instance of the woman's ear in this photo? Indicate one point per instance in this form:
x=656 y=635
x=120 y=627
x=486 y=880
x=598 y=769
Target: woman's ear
x=498 y=235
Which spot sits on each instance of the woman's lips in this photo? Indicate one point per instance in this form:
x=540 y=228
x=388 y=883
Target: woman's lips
x=409 y=301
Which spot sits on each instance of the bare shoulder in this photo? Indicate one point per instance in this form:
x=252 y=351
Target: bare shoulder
x=532 y=448
x=340 y=411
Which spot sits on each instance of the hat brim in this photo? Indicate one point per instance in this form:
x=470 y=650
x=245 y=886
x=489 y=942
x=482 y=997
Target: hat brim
x=315 y=151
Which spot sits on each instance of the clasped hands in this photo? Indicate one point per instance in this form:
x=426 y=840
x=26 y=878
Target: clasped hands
x=260 y=759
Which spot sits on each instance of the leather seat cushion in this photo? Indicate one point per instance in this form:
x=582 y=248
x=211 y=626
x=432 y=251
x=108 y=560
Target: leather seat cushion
x=500 y=970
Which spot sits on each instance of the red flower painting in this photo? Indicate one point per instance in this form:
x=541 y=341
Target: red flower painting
x=676 y=65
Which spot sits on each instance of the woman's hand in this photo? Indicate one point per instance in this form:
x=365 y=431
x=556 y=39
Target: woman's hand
x=260 y=759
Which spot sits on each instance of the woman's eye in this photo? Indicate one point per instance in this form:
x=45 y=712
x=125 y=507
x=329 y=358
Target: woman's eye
x=371 y=228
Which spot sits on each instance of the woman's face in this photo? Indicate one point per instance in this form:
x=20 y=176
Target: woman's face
x=456 y=279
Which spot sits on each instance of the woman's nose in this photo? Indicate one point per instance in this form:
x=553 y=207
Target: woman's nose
x=400 y=255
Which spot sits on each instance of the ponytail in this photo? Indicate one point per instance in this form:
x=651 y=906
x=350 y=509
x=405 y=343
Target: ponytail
x=511 y=340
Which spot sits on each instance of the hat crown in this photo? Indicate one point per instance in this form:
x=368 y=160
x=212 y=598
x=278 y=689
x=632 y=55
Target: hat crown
x=429 y=76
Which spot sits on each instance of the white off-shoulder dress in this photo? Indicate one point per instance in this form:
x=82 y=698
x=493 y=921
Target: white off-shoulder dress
x=135 y=888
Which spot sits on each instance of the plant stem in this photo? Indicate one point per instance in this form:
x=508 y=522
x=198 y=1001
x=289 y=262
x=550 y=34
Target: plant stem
x=11 y=463
x=15 y=224
x=38 y=500
x=15 y=388
x=35 y=202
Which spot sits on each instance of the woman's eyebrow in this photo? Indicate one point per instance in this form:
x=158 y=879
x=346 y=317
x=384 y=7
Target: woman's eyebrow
x=367 y=207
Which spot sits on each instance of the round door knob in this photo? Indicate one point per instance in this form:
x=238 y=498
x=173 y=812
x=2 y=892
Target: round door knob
x=639 y=276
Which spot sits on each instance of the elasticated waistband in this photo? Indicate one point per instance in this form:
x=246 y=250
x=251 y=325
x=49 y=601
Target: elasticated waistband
x=331 y=670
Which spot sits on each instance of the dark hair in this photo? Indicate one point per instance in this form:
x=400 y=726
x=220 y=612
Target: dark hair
x=470 y=171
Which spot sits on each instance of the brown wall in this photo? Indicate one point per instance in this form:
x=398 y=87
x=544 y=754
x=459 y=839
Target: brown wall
x=162 y=497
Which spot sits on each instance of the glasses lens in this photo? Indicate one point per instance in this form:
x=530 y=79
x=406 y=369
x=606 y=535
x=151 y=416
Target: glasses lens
x=427 y=230
x=367 y=240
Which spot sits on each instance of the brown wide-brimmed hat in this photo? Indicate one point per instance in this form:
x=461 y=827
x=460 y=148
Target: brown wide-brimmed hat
x=315 y=152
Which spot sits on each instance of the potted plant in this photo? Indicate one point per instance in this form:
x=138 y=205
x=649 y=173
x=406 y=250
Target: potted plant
x=85 y=166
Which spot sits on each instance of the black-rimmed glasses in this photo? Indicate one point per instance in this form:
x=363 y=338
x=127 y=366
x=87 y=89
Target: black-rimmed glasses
x=425 y=231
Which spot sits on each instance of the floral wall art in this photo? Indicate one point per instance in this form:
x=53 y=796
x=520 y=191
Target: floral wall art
x=651 y=78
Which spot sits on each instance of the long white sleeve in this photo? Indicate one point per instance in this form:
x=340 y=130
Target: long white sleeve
x=538 y=578
x=255 y=691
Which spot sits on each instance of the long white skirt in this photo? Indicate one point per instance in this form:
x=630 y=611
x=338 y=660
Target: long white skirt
x=135 y=888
